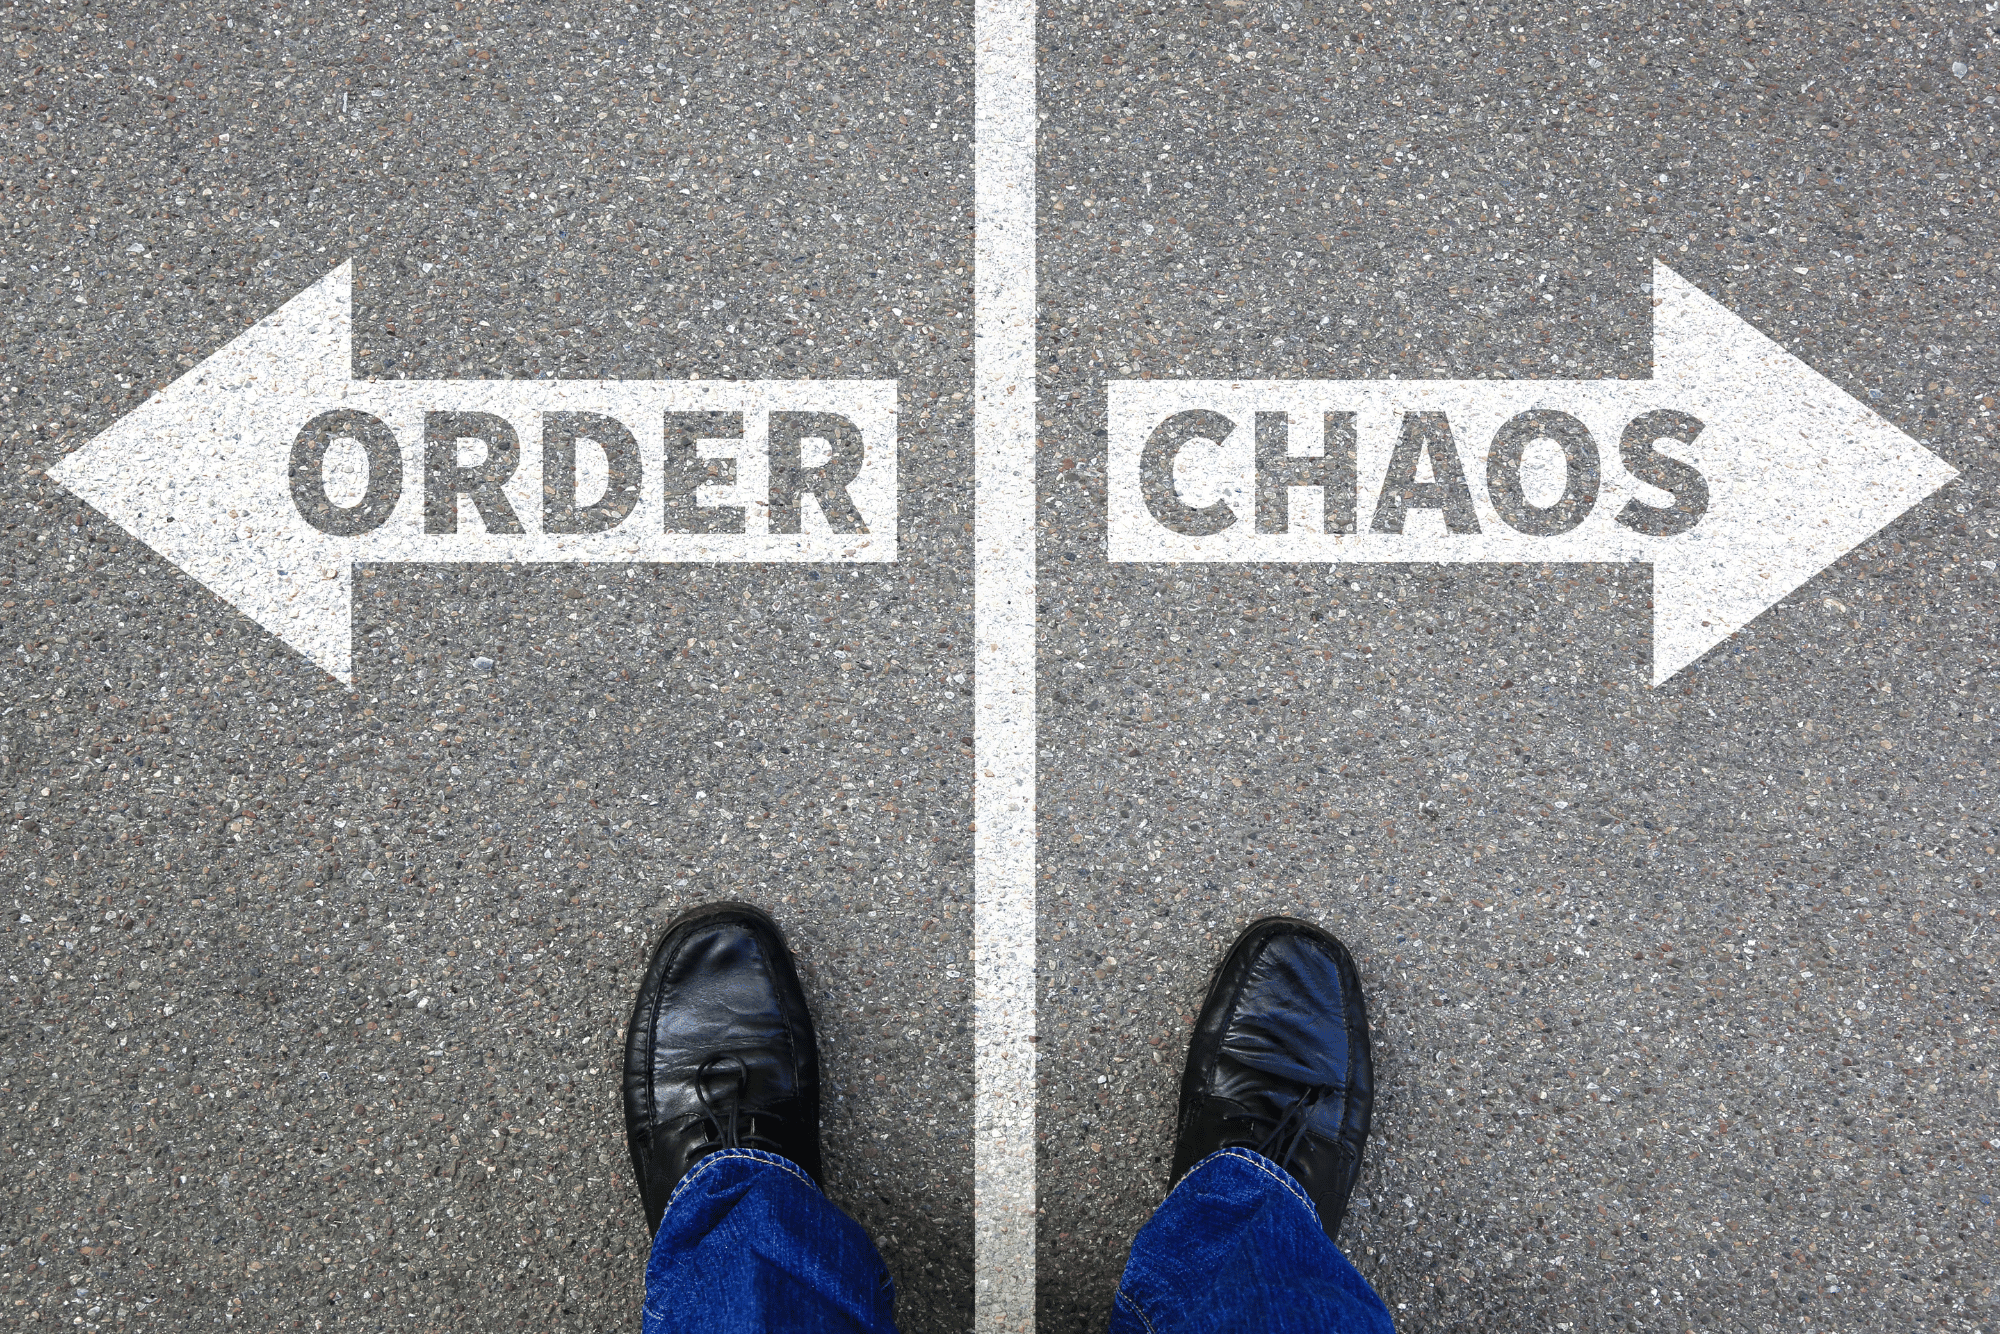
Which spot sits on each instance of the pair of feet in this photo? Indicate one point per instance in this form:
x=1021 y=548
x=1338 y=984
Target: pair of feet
x=720 y=1054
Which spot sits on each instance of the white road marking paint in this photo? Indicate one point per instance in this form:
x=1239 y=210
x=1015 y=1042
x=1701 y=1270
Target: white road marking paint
x=1003 y=729
x=1777 y=471
x=206 y=473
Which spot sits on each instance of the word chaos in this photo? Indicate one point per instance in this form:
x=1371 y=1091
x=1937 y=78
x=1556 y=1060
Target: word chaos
x=1737 y=471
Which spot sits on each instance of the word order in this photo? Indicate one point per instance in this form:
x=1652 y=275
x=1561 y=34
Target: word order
x=574 y=472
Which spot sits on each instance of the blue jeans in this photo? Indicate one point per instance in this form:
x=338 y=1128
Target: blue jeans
x=1237 y=1246
x=749 y=1244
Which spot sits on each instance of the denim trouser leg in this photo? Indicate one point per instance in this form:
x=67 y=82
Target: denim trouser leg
x=1237 y=1248
x=750 y=1245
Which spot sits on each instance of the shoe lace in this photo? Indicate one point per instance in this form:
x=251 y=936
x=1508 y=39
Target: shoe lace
x=1289 y=1131
x=726 y=1132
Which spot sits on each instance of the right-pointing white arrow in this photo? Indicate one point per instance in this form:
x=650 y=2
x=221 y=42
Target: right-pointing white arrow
x=1737 y=471
x=268 y=473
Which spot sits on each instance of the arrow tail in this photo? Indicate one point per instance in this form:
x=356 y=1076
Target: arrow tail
x=267 y=472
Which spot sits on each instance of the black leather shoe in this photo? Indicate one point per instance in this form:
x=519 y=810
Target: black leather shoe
x=1279 y=1063
x=719 y=1053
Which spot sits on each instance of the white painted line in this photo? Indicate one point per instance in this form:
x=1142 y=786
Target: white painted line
x=1003 y=728
x=1737 y=471
x=268 y=472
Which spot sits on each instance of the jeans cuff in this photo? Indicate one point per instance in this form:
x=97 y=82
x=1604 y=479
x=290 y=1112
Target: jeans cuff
x=1257 y=1160
x=707 y=1161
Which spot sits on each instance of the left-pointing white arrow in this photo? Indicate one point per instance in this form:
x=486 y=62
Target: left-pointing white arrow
x=268 y=472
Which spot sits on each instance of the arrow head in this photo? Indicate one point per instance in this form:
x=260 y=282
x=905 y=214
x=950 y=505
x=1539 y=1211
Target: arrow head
x=1799 y=473
x=199 y=473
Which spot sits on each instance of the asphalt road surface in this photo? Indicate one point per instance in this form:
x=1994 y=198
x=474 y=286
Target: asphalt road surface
x=1682 y=995
x=319 y=993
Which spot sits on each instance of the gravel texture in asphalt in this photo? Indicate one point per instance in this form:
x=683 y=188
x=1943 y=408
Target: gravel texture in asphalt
x=316 y=996
x=1682 y=996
